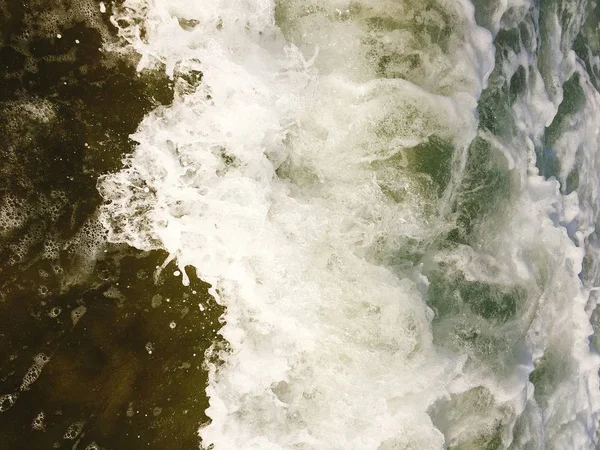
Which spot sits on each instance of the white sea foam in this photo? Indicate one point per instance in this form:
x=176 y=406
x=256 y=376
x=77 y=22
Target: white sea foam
x=268 y=175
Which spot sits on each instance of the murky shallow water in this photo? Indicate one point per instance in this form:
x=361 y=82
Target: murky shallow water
x=395 y=204
x=124 y=351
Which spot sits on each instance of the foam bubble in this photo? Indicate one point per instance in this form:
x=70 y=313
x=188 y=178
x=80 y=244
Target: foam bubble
x=38 y=423
x=77 y=314
x=34 y=372
x=156 y=300
x=73 y=431
x=13 y=214
x=7 y=401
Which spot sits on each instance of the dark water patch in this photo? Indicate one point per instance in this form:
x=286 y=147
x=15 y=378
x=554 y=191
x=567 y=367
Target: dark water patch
x=494 y=109
x=572 y=182
x=432 y=158
x=518 y=84
x=571 y=17
x=547 y=162
x=125 y=357
x=587 y=44
x=590 y=271
x=93 y=349
x=485 y=11
x=573 y=101
x=477 y=317
x=428 y=163
x=495 y=303
x=486 y=186
x=504 y=88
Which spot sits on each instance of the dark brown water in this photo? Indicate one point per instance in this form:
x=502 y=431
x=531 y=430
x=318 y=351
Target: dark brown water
x=94 y=351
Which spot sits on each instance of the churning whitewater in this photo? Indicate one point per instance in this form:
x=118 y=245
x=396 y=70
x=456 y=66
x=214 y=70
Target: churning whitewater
x=396 y=203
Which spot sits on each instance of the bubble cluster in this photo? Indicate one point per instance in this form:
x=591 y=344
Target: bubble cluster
x=38 y=423
x=57 y=269
x=93 y=446
x=34 y=372
x=52 y=206
x=7 y=401
x=88 y=240
x=51 y=249
x=43 y=291
x=39 y=110
x=149 y=347
x=13 y=214
x=73 y=431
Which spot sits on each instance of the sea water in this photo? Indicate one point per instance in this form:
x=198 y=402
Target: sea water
x=394 y=201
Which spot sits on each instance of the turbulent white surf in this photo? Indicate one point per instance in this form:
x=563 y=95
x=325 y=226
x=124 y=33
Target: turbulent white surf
x=396 y=202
